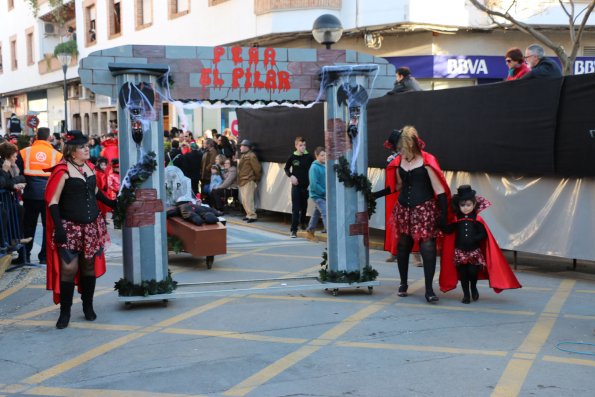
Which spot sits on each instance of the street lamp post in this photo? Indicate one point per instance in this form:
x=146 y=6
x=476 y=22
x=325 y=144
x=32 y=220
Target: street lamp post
x=65 y=59
x=327 y=30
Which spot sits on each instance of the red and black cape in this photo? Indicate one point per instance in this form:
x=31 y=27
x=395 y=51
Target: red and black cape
x=497 y=270
x=390 y=237
x=52 y=256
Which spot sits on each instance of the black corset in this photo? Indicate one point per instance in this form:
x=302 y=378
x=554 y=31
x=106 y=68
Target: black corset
x=416 y=187
x=77 y=201
x=469 y=233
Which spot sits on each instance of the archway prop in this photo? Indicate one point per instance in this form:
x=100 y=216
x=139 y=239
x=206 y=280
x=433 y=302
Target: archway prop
x=142 y=76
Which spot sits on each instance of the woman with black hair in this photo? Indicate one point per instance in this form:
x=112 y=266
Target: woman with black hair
x=470 y=252
x=224 y=146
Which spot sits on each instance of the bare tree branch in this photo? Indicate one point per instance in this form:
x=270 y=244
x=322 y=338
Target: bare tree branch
x=566 y=59
x=576 y=43
x=564 y=7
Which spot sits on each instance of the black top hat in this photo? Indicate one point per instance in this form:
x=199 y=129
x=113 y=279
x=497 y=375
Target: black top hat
x=464 y=192
x=393 y=139
x=75 y=137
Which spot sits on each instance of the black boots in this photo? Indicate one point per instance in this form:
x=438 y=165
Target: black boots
x=66 y=292
x=87 y=292
x=468 y=276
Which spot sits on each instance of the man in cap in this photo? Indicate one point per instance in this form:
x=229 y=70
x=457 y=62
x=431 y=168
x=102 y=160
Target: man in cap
x=249 y=173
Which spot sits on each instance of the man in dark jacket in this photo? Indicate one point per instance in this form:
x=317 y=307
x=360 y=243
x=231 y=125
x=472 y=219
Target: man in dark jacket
x=14 y=124
x=541 y=66
x=405 y=82
x=296 y=168
x=33 y=162
x=190 y=164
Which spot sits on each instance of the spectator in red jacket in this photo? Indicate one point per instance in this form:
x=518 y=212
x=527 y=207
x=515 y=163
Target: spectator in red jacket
x=110 y=148
x=113 y=179
x=515 y=61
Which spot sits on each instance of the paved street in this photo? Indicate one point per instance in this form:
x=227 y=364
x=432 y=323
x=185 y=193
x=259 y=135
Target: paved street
x=299 y=343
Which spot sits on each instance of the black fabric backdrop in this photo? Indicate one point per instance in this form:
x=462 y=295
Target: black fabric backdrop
x=575 y=140
x=533 y=127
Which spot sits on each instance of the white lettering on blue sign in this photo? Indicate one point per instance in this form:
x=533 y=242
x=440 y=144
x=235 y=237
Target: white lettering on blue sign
x=467 y=66
x=584 y=66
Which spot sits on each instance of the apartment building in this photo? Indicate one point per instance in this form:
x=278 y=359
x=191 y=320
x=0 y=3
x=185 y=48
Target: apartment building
x=446 y=43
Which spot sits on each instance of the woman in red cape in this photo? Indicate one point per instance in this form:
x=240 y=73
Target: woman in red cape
x=76 y=234
x=470 y=251
x=417 y=199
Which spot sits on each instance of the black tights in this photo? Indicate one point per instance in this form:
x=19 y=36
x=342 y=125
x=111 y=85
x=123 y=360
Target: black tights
x=468 y=275
x=68 y=270
x=427 y=249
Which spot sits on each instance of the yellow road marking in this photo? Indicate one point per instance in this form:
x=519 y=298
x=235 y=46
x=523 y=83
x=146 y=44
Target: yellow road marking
x=233 y=335
x=76 y=324
x=516 y=371
x=467 y=309
x=513 y=378
x=184 y=316
x=36 y=286
x=83 y=358
x=271 y=371
x=303 y=352
x=292 y=256
x=525 y=356
x=62 y=392
x=20 y=285
x=248 y=270
x=574 y=361
x=579 y=317
x=586 y=291
x=312 y=298
x=420 y=348
x=16 y=388
x=53 y=307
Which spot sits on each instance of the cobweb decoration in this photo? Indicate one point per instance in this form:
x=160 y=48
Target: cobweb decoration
x=352 y=94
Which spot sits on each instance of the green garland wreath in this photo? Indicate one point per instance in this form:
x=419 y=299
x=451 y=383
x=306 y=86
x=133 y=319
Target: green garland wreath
x=135 y=176
x=368 y=273
x=146 y=288
x=360 y=182
x=175 y=244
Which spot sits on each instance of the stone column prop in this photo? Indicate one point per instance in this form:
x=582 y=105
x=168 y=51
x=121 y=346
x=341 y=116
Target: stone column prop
x=145 y=221
x=347 y=90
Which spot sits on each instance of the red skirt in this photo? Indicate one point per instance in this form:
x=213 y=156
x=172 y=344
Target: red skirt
x=419 y=222
x=86 y=238
x=474 y=257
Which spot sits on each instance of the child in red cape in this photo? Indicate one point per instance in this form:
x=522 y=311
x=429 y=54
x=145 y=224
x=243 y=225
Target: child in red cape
x=470 y=252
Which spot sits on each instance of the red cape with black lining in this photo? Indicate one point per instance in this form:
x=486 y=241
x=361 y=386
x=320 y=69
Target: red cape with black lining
x=497 y=269
x=52 y=256
x=390 y=238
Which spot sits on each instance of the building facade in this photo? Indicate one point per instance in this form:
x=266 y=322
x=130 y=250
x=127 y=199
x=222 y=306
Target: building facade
x=446 y=43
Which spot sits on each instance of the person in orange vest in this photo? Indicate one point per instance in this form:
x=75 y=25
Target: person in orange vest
x=33 y=162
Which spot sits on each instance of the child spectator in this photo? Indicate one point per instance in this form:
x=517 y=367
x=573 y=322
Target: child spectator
x=296 y=168
x=101 y=174
x=470 y=252
x=216 y=178
x=317 y=177
x=113 y=179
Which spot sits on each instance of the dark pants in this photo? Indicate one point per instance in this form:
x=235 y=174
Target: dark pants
x=217 y=197
x=34 y=208
x=299 y=205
